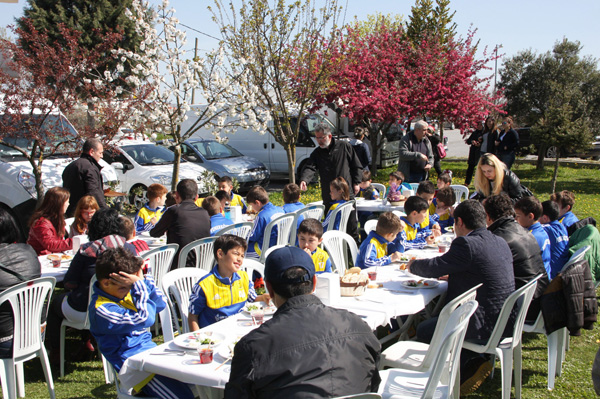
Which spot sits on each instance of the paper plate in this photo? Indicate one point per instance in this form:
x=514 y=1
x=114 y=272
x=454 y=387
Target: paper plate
x=420 y=284
x=269 y=310
x=194 y=340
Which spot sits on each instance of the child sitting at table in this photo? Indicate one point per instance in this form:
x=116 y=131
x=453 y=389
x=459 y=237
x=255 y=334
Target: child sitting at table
x=374 y=249
x=441 y=209
x=291 y=198
x=122 y=309
x=226 y=184
x=151 y=212
x=559 y=238
x=214 y=208
x=340 y=193
x=128 y=231
x=367 y=191
x=258 y=201
x=223 y=197
x=426 y=190
x=528 y=211
x=414 y=235
x=310 y=236
x=565 y=200
x=444 y=179
x=224 y=291
x=397 y=186
x=171 y=200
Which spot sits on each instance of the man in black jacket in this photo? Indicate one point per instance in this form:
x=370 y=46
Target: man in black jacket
x=82 y=177
x=526 y=253
x=333 y=158
x=185 y=222
x=307 y=350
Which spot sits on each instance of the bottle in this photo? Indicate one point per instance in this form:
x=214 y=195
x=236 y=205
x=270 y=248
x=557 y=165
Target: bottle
x=227 y=211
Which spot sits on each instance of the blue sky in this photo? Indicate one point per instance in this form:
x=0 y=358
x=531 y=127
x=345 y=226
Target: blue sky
x=515 y=24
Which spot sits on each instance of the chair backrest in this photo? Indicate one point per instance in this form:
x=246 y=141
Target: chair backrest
x=380 y=188
x=203 y=248
x=308 y=212
x=268 y=251
x=414 y=186
x=29 y=300
x=399 y=214
x=447 y=358
x=443 y=319
x=337 y=244
x=252 y=265
x=521 y=298
x=159 y=260
x=461 y=192
x=344 y=210
x=86 y=326
x=177 y=286
x=370 y=225
x=282 y=224
x=576 y=257
x=242 y=229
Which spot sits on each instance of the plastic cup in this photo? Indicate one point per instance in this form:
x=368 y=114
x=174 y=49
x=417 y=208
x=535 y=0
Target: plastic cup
x=206 y=355
x=372 y=275
x=442 y=248
x=258 y=316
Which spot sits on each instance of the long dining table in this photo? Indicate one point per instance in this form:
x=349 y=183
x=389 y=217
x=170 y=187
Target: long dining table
x=376 y=307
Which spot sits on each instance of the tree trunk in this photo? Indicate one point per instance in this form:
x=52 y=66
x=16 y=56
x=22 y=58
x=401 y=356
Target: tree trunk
x=91 y=120
x=39 y=185
x=555 y=174
x=540 y=160
x=375 y=147
x=177 y=159
x=291 y=157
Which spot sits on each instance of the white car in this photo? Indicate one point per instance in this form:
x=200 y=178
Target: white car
x=140 y=163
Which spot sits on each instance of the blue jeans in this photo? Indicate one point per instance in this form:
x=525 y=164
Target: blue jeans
x=508 y=158
x=417 y=177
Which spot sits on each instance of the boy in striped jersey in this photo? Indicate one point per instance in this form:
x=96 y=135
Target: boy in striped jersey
x=374 y=249
x=123 y=307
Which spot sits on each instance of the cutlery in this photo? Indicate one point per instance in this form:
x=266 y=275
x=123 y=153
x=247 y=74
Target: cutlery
x=226 y=360
x=168 y=353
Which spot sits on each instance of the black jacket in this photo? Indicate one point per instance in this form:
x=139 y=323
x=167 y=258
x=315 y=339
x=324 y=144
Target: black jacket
x=511 y=185
x=19 y=258
x=570 y=300
x=435 y=139
x=339 y=159
x=491 y=142
x=183 y=223
x=509 y=143
x=308 y=350
x=479 y=257
x=474 y=150
x=82 y=177
x=527 y=258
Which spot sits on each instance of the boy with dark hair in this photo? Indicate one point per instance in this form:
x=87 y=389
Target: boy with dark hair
x=528 y=210
x=367 y=191
x=128 y=231
x=291 y=198
x=226 y=184
x=224 y=197
x=224 y=291
x=151 y=212
x=559 y=238
x=444 y=179
x=122 y=309
x=441 y=208
x=300 y=335
x=426 y=190
x=171 y=199
x=215 y=211
x=258 y=201
x=396 y=186
x=565 y=200
x=310 y=236
x=374 y=249
x=414 y=235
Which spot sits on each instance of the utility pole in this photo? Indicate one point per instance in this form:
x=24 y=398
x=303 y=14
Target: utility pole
x=196 y=54
x=495 y=67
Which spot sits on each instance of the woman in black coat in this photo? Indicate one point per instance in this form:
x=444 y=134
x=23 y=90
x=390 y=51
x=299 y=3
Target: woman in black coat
x=493 y=177
x=474 y=141
x=507 y=143
x=489 y=136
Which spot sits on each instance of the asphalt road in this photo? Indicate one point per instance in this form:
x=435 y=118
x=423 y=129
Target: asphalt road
x=456 y=144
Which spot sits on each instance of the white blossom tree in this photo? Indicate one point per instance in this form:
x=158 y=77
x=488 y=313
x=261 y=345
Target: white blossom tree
x=173 y=75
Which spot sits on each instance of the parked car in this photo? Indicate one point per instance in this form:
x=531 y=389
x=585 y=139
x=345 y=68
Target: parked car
x=139 y=163
x=528 y=146
x=224 y=160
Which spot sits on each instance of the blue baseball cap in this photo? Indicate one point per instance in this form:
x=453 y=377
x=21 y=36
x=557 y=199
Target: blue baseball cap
x=285 y=258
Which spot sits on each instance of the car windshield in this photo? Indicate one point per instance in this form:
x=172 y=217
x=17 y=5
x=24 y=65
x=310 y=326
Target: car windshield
x=310 y=123
x=55 y=128
x=149 y=154
x=215 y=150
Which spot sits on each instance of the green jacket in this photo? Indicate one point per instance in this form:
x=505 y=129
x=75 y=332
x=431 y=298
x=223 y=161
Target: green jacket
x=588 y=235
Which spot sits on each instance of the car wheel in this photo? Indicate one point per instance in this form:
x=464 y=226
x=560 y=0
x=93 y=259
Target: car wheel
x=552 y=151
x=137 y=196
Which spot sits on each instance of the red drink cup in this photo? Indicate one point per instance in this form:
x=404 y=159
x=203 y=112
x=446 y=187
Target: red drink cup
x=206 y=355
x=442 y=248
x=372 y=275
x=55 y=259
x=258 y=316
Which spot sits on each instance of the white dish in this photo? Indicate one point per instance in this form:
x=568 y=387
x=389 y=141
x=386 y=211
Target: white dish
x=420 y=284
x=194 y=340
x=269 y=310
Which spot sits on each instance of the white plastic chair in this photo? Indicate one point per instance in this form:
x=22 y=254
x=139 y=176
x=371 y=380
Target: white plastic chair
x=159 y=261
x=370 y=225
x=417 y=355
x=308 y=212
x=268 y=251
x=177 y=285
x=121 y=393
x=242 y=229
x=345 y=209
x=337 y=243
x=509 y=347
x=68 y=223
x=252 y=265
x=439 y=379
x=29 y=300
x=283 y=224
x=380 y=188
x=414 y=187
x=461 y=192
x=576 y=257
x=205 y=259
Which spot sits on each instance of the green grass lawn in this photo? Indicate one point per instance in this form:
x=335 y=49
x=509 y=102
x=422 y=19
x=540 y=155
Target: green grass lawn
x=86 y=380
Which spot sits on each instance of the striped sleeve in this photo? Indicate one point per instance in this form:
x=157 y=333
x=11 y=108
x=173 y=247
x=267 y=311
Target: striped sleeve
x=372 y=260
x=197 y=300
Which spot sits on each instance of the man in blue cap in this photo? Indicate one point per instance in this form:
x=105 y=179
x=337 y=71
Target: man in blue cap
x=307 y=350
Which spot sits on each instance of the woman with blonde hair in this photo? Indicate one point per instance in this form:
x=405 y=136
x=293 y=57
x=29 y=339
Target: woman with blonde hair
x=493 y=177
x=86 y=208
x=47 y=225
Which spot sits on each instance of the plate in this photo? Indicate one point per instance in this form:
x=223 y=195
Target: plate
x=431 y=246
x=359 y=199
x=194 y=340
x=420 y=284
x=269 y=310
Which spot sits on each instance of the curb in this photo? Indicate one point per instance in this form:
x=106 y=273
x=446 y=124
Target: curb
x=547 y=162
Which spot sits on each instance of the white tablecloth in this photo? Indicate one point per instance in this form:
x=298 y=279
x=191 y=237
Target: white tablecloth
x=57 y=272
x=377 y=206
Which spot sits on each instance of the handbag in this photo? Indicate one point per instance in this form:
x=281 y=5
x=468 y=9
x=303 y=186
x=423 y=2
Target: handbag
x=441 y=150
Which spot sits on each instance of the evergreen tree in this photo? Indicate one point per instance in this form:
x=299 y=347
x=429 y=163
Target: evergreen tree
x=425 y=19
